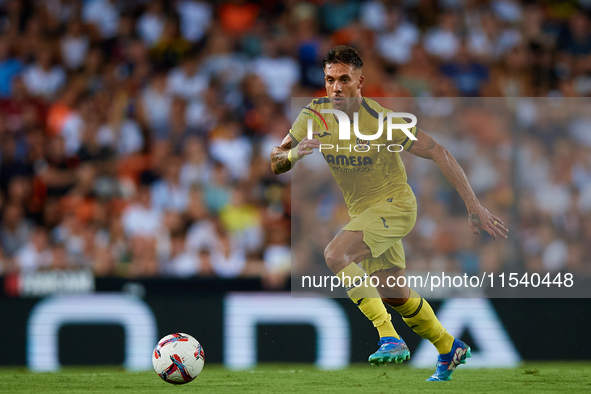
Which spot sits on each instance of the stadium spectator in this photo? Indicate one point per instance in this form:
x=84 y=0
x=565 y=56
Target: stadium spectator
x=238 y=16
x=103 y=15
x=218 y=190
x=9 y=67
x=43 y=78
x=74 y=45
x=181 y=262
x=195 y=18
x=395 y=44
x=228 y=255
x=242 y=220
x=15 y=229
x=150 y=24
x=231 y=148
x=171 y=48
x=169 y=193
x=468 y=76
x=576 y=40
x=279 y=71
x=187 y=80
x=140 y=218
x=338 y=14
x=154 y=107
x=196 y=168
x=36 y=253
x=442 y=41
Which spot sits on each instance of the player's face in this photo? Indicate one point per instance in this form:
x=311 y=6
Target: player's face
x=342 y=81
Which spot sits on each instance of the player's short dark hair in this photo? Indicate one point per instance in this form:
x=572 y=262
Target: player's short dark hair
x=343 y=54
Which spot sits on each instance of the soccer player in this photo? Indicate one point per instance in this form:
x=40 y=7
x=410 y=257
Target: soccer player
x=382 y=207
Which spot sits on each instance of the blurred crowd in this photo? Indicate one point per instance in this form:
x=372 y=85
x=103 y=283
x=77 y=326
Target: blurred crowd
x=529 y=160
x=135 y=135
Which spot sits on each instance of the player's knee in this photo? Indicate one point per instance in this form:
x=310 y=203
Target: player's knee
x=394 y=302
x=394 y=295
x=334 y=259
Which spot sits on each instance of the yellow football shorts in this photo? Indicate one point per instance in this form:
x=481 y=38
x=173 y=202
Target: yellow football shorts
x=384 y=225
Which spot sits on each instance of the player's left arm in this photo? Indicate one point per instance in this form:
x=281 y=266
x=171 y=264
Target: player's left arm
x=478 y=216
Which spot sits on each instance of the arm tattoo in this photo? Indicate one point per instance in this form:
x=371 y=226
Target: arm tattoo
x=279 y=161
x=423 y=149
x=474 y=218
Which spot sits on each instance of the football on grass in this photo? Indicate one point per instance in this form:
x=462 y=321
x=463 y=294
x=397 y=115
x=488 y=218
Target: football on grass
x=178 y=358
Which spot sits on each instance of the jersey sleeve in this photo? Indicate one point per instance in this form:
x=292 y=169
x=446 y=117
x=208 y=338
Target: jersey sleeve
x=398 y=136
x=299 y=128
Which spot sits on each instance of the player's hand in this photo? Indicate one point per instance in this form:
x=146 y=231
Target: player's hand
x=480 y=218
x=306 y=146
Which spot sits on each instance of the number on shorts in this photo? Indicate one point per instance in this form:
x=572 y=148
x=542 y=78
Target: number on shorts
x=384 y=221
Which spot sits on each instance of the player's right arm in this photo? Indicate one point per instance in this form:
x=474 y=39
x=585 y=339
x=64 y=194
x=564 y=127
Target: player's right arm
x=283 y=157
x=294 y=146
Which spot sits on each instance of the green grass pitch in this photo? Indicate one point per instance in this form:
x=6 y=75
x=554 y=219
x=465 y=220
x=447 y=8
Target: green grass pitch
x=574 y=377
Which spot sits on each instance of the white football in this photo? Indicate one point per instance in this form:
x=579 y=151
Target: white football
x=178 y=358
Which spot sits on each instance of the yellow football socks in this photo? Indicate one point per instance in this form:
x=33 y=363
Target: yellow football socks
x=367 y=299
x=418 y=315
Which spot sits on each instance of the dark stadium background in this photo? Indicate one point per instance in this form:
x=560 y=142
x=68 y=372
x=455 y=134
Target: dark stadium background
x=134 y=159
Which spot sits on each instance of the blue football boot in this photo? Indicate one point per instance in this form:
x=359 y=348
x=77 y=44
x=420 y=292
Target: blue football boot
x=447 y=363
x=391 y=349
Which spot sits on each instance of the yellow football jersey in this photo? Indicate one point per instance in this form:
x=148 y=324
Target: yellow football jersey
x=367 y=172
